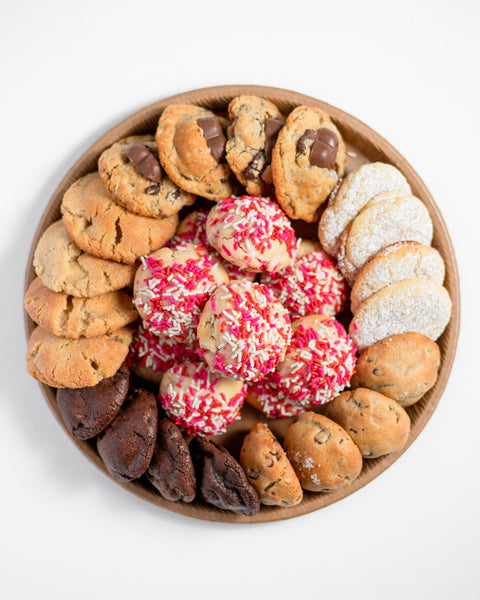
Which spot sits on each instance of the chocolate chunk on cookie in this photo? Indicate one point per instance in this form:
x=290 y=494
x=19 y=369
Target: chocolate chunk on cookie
x=70 y=317
x=191 y=143
x=64 y=267
x=126 y=446
x=252 y=136
x=307 y=161
x=105 y=229
x=171 y=468
x=88 y=411
x=221 y=480
x=131 y=173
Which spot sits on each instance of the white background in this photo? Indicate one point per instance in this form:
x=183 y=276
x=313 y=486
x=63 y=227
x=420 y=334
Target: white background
x=69 y=72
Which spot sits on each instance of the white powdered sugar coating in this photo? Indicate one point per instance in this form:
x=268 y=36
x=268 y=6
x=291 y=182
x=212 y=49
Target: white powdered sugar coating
x=355 y=191
x=417 y=305
x=399 y=261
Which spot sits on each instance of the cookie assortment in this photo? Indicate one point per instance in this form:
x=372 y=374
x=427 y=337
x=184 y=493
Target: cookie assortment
x=157 y=321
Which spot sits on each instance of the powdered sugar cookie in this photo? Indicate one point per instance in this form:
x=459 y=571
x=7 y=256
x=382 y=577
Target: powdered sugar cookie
x=387 y=218
x=312 y=284
x=199 y=401
x=307 y=161
x=244 y=331
x=171 y=288
x=319 y=364
x=253 y=233
x=401 y=260
x=410 y=305
x=354 y=192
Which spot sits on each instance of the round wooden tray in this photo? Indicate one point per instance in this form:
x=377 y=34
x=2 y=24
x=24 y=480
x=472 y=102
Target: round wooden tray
x=363 y=145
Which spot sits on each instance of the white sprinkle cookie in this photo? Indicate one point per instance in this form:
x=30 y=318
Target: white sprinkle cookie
x=402 y=260
x=354 y=192
x=199 y=401
x=253 y=233
x=410 y=305
x=244 y=331
x=389 y=217
x=171 y=288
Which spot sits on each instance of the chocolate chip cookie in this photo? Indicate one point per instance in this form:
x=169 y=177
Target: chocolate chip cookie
x=251 y=138
x=131 y=173
x=171 y=469
x=191 y=147
x=88 y=411
x=221 y=480
x=105 y=229
x=307 y=161
x=126 y=446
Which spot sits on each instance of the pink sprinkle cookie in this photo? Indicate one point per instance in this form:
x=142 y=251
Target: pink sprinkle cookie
x=244 y=331
x=199 y=401
x=150 y=355
x=319 y=364
x=311 y=285
x=193 y=230
x=253 y=233
x=171 y=288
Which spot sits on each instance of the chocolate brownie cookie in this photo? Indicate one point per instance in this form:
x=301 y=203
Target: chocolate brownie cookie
x=126 y=446
x=70 y=317
x=221 y=480
x=251 y=138
x=307 y=161
x=191 y=147
x=132 y=176
x=102 y=228
x=64 y=267
x=171 y=469
x=88 y=411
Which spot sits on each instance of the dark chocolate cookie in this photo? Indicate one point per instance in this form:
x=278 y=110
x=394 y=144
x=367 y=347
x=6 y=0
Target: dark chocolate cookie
x=171 y=469
x=126 y=446
x=88 y=411
x=221 y=480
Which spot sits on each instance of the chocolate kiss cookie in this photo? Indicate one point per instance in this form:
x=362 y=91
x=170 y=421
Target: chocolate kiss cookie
x=171 y=469
x=126 y=446
x=88 y=411
x=221 y=481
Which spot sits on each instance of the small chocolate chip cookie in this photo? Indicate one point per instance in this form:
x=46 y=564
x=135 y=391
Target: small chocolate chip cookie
x=132 y=176
x=307 y=161
x=191 y=147
x=251 y=138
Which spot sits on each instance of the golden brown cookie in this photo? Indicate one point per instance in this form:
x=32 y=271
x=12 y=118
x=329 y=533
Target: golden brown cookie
x=398 y=261
x=251 y=138
x=191 y=147
x=410 y=305
x=322 y=453
x=70 y=317
x=378 y=425
x=101 y=227
x=62 y=362
x=268 y=468
x=132 y=176
x=64 y=267
x=307 y=161
x=403 y=367
x=387 y=218
x=353 y=193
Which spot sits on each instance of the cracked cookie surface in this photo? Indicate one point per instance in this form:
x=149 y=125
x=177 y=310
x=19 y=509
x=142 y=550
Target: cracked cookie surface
x=101 y=227
x=129 y=188
x=307 y=161
x=64 y=267
x=196 y=164
x=70 y=317
x=252 y=135
x=83 y=362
